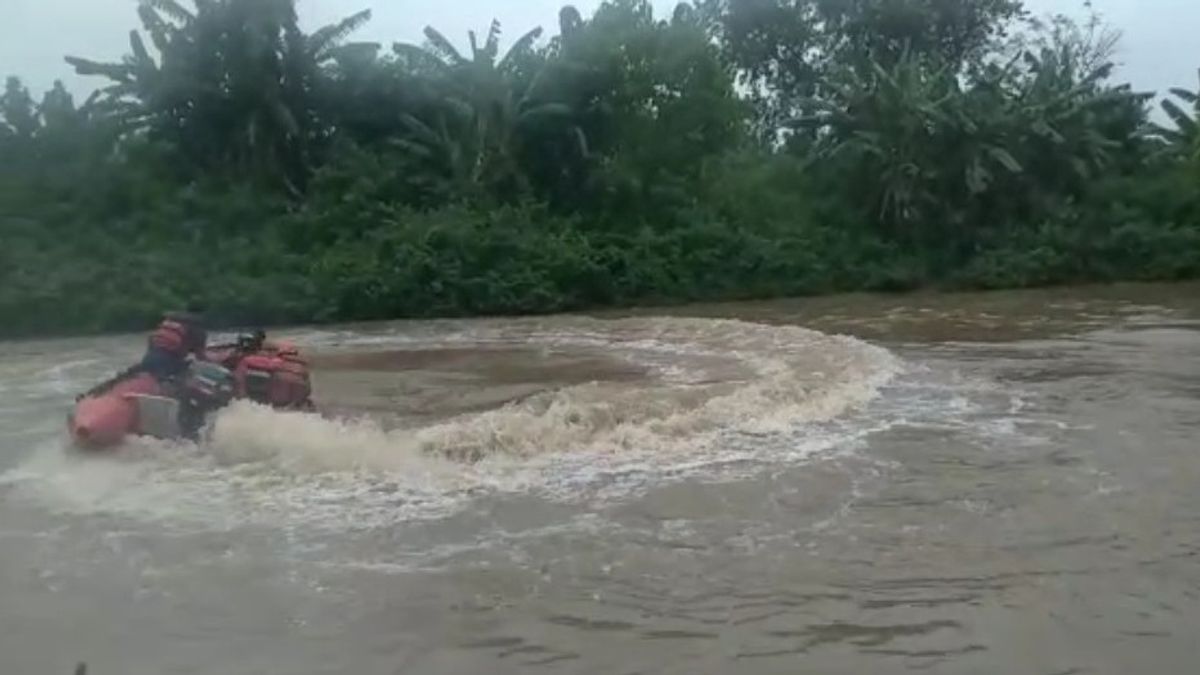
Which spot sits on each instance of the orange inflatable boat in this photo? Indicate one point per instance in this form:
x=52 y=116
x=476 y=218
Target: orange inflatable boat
x=136 y=404
x=106 y=417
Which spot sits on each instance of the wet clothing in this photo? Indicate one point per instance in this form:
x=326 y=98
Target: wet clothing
x=162 y=364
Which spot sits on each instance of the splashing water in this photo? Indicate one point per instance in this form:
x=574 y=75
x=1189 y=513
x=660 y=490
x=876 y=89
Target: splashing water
x=707 y=385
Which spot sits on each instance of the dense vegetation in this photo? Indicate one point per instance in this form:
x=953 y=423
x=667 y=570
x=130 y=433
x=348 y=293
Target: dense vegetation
x=739 y=148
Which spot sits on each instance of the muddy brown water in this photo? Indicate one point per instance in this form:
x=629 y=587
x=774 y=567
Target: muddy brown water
x=976 y=483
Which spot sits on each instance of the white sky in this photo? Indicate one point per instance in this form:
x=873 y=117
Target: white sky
x=1159 y=49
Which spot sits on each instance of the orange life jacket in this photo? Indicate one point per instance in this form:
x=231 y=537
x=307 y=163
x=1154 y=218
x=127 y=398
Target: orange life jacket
x=280 y=379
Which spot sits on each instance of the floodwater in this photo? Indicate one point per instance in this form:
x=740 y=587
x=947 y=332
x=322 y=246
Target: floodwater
x=977 y=483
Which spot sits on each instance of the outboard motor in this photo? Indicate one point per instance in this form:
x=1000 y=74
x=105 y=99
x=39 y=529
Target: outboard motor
x=207 y=387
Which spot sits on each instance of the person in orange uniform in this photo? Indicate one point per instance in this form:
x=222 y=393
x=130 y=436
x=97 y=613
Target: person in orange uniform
x=178 y=336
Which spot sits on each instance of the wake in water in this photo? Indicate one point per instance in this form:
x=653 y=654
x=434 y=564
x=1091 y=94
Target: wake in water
x=713 y=392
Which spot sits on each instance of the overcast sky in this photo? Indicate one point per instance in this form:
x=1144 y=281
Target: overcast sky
x=1159 y=48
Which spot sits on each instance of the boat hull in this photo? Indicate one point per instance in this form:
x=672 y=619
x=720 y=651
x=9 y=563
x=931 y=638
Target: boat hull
x=107 y=419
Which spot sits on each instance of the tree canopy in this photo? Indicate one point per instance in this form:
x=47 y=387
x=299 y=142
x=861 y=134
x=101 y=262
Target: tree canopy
x=733 y=148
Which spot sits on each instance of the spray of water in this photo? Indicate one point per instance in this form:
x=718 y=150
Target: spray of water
x=709 y=386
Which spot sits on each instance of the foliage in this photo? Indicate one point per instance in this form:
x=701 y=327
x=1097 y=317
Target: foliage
x=231 y=89
x=784 y=50
x=735 y=149
x=1184 y=137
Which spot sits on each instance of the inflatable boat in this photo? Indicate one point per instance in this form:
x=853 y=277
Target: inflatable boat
x=135 y=403
x=105 y=417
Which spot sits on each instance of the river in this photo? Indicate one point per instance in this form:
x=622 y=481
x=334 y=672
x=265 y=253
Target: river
x=970 y=483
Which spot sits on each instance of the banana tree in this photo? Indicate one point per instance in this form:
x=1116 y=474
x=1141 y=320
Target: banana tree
x=1184 y=138
x=940 y=153
x=18 y=113
x=912 y=137
x=1072 y=126
x=231 y=85
x=487 y=106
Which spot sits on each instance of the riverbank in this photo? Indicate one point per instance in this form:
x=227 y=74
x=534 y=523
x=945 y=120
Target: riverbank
x=511 y=261
x=620 y=163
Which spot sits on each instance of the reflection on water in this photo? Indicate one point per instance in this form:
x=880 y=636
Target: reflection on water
x=1000 y=483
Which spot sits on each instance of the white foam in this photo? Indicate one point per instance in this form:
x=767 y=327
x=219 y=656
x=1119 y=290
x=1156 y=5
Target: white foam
x=722 y=388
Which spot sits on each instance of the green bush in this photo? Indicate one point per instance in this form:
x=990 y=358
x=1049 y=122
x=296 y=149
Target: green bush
x=615 y=164
x=255 y=260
